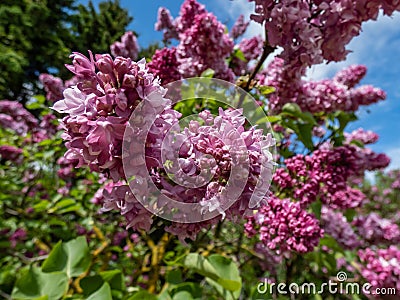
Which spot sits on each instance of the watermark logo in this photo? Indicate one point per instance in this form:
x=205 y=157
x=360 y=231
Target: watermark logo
x=340 y=285
x=175 y=165
x=341 y=276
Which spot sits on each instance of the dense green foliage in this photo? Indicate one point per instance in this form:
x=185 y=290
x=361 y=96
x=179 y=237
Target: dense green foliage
x=38 y=36
x=53 y=258
x=61 y=235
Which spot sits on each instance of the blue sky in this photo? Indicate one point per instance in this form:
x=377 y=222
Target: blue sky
x=378 y=47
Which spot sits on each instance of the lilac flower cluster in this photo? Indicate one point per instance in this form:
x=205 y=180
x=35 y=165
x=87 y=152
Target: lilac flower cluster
x=335 y=224
x=375 y=230
x=287 y=24
x=128 y=46
x=217 y=137
x=189 y=10
x=324 y=174
x=395 y=175
x=351 y=75
x=17 y=236
x=203 y=42
x=328 y=173
x=166 y=23
x=66 y=170
x=269 y=259
x=106 y=185
x=15 y=117
x=286 y=81
x=204 y=45
x=164 y=64
x=371 y=160
x=316 y=96
x=239 y=28
x=328 y=95
x=396 y=184
x=310 y=32
x=209 y=153
x=46 y=129
x=209 y=139
x=381 y=267
x=318 y=131
x=364 y=136
x=54 y=86
x=284 y=226
x=11 y=153
x=251 y=49
x=99 y=108
x=118 y=196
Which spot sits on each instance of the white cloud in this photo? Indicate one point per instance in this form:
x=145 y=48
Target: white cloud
x=377 y=47
x=394 y=154
x=241 y=7
x=369 y=48
x=370 y=176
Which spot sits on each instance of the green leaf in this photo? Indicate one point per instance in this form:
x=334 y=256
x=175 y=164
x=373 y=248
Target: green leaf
x=64 y=203
x=226 y=268
x=308 y=117
x=192 y=288
x=215 y=269
x=252 y=111
x=41 y=206
x=164 y=295
x=171 y=258
x=34 y=284
x=316 y=208
x=37 y=103
x=57 y=259
x=329 y=261
x=143 y=295
x=292 y=109
x=183 y=295
x=350 y=214
x=329 y=241
x=344 y=119
x=357 y=143
x=73 y=208
x=266 y=90
x=57 y=222
x=305 y=135
x=239 y=54
x=104 y=293
x=270 y=119
x=91 y=284
x=209 y=73
x=49 y=142
x=114 y=278
x=72 y=257
x=174 y=276
x=200 y=265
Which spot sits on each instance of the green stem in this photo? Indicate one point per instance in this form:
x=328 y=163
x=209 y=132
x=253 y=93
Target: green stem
x=267 y=50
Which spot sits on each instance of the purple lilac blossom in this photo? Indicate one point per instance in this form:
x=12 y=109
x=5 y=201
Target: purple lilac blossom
x=283 y=226
x=128 y=46
x=381 y=267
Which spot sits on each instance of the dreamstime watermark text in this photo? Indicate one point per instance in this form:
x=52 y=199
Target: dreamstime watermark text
x=335 y=286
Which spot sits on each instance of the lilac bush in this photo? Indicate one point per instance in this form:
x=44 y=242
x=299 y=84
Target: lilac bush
x=87 y=168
